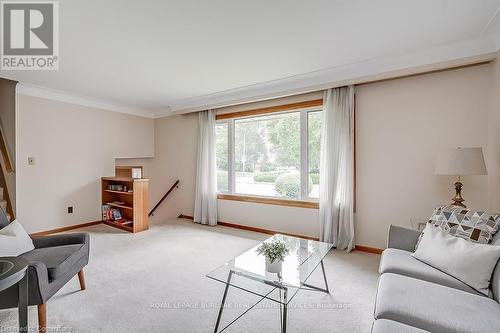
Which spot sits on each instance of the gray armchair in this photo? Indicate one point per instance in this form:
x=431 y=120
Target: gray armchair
x=54 y=261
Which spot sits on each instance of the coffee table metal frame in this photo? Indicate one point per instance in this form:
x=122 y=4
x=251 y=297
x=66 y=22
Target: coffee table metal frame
x=283 y=291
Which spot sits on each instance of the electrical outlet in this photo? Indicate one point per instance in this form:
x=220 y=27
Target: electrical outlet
x=31 y=161
x=70 y=210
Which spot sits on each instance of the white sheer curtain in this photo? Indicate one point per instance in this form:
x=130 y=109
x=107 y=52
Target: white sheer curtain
x=337 y=168
x=205 y=204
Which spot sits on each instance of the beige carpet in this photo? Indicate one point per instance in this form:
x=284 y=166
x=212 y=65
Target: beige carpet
x=155 y=281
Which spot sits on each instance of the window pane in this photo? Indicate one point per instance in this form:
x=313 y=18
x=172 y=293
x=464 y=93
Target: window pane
x=314 y=140
x=267 y=155
x=221 y=148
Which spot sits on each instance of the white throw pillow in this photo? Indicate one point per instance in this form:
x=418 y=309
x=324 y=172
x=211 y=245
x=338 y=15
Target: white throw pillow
x=471 y=263
x=14 y=240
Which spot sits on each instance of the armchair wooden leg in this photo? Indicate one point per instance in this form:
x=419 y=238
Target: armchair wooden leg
x=81 y=277
x=42 y=317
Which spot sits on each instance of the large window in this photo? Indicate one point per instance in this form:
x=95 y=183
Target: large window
x=271 y=155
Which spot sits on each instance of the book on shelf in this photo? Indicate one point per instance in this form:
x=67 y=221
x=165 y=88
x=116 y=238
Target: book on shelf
x=114 y=187
x=118 y=188
x=124 y=222
x=111 y=213
x=117 y=215
x=105 y=212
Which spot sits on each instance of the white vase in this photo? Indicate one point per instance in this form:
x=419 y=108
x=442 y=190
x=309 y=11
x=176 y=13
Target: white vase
x=273 y=267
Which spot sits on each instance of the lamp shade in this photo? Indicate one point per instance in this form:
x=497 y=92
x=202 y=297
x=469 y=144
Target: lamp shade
x=461 y=162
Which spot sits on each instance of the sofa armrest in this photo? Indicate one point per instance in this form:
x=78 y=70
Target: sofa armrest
x=402 y=238
x=58 y=240
x=38 y=282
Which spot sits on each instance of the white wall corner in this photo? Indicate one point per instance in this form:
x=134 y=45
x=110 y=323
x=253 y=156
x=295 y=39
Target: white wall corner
x=163 y=112
x=63 y=96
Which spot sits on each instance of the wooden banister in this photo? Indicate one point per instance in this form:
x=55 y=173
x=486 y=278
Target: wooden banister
x=151 y=213
x=5 y=153
x=8 y=167
x=6 y=195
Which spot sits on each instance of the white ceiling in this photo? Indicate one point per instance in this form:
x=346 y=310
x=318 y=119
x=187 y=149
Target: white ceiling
x=154 y=56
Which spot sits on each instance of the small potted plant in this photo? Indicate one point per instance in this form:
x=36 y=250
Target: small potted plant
x=274 y=252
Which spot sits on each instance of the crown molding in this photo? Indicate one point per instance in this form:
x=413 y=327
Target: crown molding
x=453 y=55
x=66 y=97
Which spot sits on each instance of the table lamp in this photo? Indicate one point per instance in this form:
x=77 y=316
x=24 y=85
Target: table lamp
x=460 y=162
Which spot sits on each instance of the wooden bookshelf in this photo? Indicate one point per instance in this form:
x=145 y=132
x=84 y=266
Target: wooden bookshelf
x=132 y=202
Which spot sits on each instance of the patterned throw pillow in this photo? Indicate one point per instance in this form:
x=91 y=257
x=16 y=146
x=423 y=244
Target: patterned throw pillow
x=473 y=225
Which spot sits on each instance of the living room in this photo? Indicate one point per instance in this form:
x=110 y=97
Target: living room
x=156 y=163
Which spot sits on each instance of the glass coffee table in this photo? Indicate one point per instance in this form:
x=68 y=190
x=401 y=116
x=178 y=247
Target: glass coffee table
x=247 y=272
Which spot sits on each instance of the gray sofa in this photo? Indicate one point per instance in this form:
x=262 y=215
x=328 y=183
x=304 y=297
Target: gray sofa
x=415 y=297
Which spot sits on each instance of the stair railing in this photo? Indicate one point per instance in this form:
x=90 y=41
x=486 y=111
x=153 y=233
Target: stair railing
x=176 y=185
x=5 y=153
x=7 y=165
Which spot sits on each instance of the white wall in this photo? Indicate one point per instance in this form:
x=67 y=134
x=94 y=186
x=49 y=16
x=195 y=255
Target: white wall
x=73 y=147
x=295 y=220
x=401 y=125
x=175 y=158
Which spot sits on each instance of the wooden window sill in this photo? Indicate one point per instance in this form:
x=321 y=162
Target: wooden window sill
x=269 y=201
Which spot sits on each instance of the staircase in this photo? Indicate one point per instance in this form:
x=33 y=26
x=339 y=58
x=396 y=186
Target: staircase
x=3 y=203
x=6 y=167
x=176 y=185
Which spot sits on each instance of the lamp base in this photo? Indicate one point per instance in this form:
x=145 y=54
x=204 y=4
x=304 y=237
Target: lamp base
x=458 y=200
